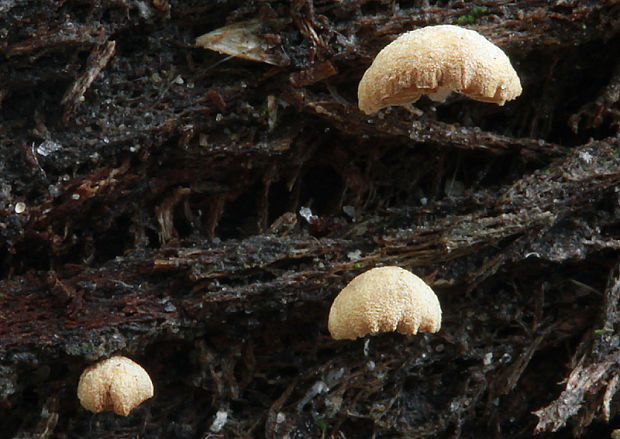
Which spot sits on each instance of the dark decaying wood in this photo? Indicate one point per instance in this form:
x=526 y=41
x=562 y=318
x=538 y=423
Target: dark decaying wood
x=198 y=212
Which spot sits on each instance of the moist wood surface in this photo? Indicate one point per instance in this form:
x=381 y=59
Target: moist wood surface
x=197 y=212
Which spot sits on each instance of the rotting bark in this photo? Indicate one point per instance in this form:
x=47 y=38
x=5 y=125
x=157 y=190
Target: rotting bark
x=599 y=376
x=198 y=212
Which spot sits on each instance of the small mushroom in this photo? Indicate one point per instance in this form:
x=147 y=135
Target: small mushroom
x=117 y=383
x=436 y=60
x=384 y=299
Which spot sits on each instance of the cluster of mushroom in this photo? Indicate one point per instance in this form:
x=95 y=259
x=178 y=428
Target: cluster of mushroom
x=379 y=300
x=432 y=61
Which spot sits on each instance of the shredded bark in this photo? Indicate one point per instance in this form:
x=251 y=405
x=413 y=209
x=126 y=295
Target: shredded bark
x=600 y=376
x=198 y=211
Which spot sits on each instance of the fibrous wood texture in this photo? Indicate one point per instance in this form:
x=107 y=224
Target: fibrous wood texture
x=198 y=211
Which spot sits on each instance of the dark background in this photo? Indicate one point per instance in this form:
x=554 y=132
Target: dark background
x=150 y=199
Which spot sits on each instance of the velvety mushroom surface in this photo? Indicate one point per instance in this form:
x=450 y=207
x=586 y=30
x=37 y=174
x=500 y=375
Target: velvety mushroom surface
x=117 y=383
x=384 y=299
x=436 y=60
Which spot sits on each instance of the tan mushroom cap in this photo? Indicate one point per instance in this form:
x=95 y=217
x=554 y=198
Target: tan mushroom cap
x=436 y=60
x=117 y=383
x=381 y=300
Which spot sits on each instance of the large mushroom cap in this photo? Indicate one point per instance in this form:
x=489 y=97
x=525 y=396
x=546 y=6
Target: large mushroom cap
x=436 y=60
x=384 y=299
x=117 y=383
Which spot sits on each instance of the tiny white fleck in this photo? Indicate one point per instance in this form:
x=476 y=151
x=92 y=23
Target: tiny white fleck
x=488 y=358
x=349 y=210
x=354 y=255
x=319 y=387
x=306 y=214
x=20 y=207
x=48 y=147
x=220 y=420
x=586 y=157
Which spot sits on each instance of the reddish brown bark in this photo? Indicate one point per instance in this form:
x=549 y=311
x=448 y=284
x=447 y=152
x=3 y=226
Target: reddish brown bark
x=151 y=205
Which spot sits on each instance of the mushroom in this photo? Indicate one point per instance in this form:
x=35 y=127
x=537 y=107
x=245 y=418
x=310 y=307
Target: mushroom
x=117 y=383
x=436 y=60
x=384 y=299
